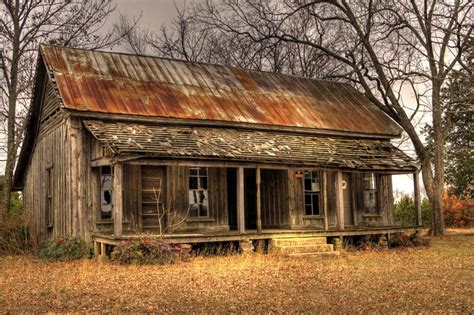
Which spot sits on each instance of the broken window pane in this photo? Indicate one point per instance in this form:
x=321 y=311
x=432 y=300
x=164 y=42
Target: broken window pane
x=198 y=198
x=312 y=187
x=106 y=192
x=370 y=193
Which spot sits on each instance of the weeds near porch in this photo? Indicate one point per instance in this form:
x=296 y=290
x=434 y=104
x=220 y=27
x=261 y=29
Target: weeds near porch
x=404 y=240
x=64 y=249
x=148 y=251
x=14 y=238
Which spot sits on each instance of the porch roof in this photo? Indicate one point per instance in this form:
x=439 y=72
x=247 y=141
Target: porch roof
x=226 y=144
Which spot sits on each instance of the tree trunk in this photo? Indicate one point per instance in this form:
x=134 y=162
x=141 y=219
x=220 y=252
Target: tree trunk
x=438 y=226
x=11 y=117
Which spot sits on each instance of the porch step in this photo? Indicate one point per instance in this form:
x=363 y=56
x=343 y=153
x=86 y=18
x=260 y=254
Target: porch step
x=291 y=241
x=303 y=246
x=302 y=249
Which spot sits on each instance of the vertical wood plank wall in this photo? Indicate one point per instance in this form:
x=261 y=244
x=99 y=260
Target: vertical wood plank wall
x=178 y=198
x=274 y=198
x=385 y=201
x=52 y=151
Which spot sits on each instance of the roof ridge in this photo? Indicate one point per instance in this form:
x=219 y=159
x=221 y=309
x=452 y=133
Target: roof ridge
x=198 y=62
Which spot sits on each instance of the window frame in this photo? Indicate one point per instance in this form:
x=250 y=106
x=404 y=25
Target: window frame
x=110 y=174
x=318 y=192
x=49 y=211
x=369 y=210
x=199 y=188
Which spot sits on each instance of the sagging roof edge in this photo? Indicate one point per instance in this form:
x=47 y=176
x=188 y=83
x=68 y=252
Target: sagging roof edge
x=226 y=124
x=31 y=127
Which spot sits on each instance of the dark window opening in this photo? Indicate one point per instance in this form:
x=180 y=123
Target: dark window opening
x=49 y=198
x=370 y=193
x=312 y=188
x=198 y=192
x=106 y=192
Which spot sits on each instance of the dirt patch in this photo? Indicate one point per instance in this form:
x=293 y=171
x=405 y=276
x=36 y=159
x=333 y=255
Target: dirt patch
x=438 y=278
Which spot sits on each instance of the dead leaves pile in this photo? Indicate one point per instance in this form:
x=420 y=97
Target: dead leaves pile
x=439 y=278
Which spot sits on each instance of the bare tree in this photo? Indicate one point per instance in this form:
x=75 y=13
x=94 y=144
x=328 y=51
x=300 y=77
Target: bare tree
x=189 y=38
x=385 y=47
x=23 y=26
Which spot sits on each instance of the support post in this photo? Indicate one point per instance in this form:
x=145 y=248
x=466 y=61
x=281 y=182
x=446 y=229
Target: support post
x=339 y=201
x=259 y=205
x=240 y=201
x=416 y=183
x=117 y=199
x=325 y=200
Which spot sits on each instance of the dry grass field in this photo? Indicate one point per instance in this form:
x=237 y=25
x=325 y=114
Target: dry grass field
x=439 y=278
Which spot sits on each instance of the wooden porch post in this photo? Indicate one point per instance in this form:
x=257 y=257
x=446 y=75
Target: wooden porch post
x=325 y=200
x=416 y=183
x=259 y=206
x=240 y=201
x=117 y=199
x=339 y=201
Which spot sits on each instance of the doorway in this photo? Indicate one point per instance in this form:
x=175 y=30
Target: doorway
x=232 y=198
x=250 y=198
x=347 y=195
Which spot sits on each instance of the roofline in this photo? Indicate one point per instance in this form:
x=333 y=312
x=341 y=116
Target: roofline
x=227 y=124
x=32 y=125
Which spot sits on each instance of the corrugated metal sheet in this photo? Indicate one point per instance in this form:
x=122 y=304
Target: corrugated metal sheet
x=226 y=144
x=117 y=83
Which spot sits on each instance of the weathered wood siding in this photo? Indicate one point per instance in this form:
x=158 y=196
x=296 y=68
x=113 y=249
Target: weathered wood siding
x=274 y=198
x=384 y=215
x=140 y=209
x=52 y=153
x=384 y=202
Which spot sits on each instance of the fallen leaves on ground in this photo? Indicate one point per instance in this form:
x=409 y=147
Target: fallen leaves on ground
x=439 y=278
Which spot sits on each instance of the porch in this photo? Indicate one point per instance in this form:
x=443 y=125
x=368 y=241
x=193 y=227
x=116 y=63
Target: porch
x=266 y=234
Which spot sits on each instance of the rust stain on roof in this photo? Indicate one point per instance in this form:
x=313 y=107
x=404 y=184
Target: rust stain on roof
x=117 y=83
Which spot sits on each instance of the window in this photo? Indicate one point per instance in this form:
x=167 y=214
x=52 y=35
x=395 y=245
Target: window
x=49 y=197
x=198 y=195
x=370 y=193
x=106 y=192
x=312 y=187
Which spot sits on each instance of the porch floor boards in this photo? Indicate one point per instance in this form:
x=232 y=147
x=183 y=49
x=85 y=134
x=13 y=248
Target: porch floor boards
x=252 y=234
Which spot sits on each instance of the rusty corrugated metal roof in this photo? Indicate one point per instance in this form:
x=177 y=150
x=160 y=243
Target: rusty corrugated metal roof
x=108 y=82
x=231 y=144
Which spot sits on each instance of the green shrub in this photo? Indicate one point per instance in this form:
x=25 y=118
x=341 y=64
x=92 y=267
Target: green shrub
x=64 y=248
x=405 y=212
x=145 y=251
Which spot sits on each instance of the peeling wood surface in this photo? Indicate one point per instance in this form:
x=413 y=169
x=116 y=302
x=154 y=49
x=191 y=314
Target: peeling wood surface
x=256 y=146
x=115 y=83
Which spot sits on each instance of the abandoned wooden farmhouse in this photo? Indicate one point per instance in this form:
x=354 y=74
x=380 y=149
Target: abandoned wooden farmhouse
x=118 y=145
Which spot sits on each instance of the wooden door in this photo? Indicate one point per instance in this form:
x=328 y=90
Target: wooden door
x=347 y=195
x=153 y=194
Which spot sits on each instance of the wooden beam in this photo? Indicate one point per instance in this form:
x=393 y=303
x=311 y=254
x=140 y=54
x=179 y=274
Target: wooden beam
x=259 y=202
x=194 y=162
x=416 y=183
x=102 y=162
x=117 y=199
x=240 y=201
x=325 y=201
x=339 y=201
